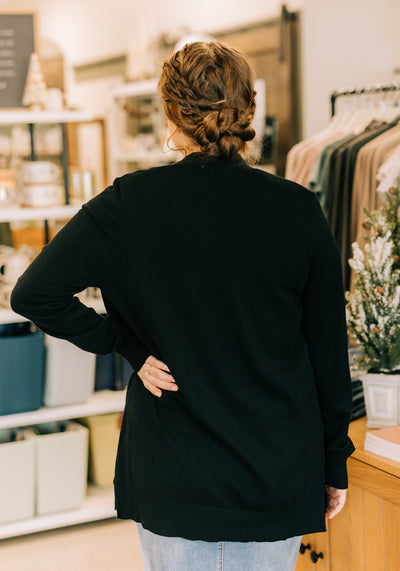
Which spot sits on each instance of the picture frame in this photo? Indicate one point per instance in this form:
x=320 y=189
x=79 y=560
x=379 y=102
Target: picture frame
x=18 y=40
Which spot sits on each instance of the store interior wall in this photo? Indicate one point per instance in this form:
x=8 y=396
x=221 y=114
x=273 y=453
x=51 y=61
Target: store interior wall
x=95 y=29
x=344 y=43
x=88 y=30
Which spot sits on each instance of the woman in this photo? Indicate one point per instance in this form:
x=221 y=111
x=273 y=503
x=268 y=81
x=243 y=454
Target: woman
x=223 y=288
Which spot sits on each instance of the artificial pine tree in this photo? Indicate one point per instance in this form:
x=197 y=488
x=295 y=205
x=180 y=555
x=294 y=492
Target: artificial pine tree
x=373 y=310
x=35 y=87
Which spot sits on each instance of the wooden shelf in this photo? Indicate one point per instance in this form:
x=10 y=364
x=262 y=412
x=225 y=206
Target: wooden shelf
x=101 y=402
x=25 y=116
x=45 y=213
x=98 y=505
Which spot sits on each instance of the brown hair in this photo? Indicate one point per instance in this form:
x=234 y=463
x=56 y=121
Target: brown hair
x=207 y=90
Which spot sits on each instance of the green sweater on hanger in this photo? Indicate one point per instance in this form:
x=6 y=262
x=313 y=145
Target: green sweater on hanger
x=230 y=276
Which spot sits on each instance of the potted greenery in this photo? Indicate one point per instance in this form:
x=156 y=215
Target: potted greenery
x=373 y=312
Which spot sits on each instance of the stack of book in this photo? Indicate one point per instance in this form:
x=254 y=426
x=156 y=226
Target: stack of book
x=384 y=441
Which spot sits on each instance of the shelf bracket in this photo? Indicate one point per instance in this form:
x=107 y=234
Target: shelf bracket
x=31 y=132
x=65 y=160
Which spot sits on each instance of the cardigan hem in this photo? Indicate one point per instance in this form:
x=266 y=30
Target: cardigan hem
x=208 y=523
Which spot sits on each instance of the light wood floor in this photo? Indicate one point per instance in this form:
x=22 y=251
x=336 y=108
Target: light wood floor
x=110 y=545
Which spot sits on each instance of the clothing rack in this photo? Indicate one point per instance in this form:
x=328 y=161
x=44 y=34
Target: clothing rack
x=369 y=89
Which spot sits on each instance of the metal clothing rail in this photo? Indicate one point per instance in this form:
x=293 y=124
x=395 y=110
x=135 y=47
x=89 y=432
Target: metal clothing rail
x=377 y=88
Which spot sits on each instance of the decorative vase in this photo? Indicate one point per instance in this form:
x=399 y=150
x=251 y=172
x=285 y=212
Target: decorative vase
x=382 y=399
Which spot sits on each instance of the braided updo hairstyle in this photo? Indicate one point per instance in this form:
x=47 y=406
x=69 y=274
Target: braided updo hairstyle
x=207 y=90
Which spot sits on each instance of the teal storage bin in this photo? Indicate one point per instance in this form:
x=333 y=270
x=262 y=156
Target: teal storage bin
x=21 y=372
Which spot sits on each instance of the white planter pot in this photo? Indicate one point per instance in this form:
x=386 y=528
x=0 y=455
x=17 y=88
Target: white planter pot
x=382 y=399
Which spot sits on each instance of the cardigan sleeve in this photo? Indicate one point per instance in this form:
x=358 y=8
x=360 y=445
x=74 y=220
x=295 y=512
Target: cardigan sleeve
x=81 y=255
x=325 y=331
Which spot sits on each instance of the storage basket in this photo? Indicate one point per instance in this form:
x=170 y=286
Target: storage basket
x=104 y=430
x=112 y=372
x=69 y=373
x=17 y=479
x=104 y=377
x=61 y=463
x=21 y=372
x=126 y=371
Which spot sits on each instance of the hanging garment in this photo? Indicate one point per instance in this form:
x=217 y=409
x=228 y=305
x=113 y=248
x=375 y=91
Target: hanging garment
x=365 y=192
x=318 y=182
x=368 y=162
x=309 y=159
x=340 y=211
x=302 y=156
x=389 y=172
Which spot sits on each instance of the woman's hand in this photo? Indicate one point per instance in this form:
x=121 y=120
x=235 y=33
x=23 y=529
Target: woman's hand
x=154 y=376
x=335 y=500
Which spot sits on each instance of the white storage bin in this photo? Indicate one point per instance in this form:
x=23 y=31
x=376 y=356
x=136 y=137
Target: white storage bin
x=17 y=479
x=61 y=460
x=70 y=373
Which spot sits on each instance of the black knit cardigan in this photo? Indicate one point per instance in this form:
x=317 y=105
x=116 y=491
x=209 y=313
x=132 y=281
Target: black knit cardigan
x=230 y=276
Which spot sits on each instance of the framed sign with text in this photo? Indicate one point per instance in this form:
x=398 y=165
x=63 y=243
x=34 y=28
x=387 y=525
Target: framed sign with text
x=17 y=43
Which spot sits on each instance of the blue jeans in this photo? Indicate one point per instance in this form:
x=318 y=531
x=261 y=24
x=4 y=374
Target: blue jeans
x=161 y=553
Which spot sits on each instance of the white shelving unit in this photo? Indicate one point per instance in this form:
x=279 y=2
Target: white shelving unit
x=18 y=214
x=101 y=402
x=99 y=502
x=61 y=117
x=98 y=505
x=125 y=149
x=25 y=116
x=143 y=156
x=136 y=88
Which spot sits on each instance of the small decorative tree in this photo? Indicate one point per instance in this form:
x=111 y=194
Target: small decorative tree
x=373 y=309
x=35 y=88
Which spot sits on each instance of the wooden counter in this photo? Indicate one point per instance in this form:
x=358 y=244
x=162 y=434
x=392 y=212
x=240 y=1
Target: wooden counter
x=365 y=535
x=357 y=432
